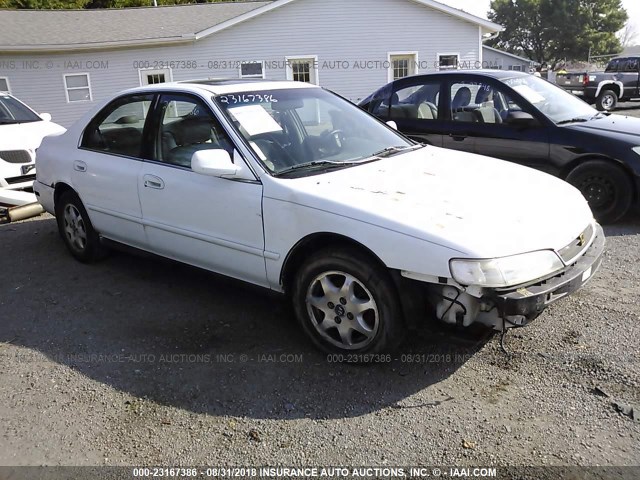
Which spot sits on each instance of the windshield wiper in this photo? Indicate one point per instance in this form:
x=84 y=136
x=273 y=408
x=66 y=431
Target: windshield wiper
x=389 y=151
x=573 y=120
x=325 y=164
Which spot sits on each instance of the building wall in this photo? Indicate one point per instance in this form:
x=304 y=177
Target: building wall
x=351 y=40
x=497 y=60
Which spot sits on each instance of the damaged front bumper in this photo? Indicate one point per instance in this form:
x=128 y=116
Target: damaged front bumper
x=520 y=306
x=500 y=308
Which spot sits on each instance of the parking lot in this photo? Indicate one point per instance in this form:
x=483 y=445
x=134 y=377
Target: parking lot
x=136 y=360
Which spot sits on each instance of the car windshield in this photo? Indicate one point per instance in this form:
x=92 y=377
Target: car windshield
x=552 y=101
x=308 y=129
x=13 y=111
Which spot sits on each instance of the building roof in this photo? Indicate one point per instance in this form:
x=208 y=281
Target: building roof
x=522 y=59
x=630 y=51
x=68 y=29
x=59 y=30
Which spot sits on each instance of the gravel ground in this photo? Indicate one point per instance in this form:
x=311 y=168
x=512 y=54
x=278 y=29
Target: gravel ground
x=140 y=361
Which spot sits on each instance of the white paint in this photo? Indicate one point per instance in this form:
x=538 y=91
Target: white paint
x=415 y=211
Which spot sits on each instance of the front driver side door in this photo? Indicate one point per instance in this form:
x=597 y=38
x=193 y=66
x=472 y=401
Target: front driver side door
x=213 y=223
x=499 y=135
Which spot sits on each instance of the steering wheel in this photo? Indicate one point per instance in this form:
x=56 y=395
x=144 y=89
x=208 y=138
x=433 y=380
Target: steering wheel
x=333 y=142
x=274 y=152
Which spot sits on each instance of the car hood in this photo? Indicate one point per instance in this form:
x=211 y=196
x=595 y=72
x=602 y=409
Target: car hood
x=612 y=125
x=26 y=136
x=478 y=206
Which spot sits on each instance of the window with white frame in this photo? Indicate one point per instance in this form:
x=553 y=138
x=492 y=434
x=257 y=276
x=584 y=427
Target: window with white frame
x=155 y=76
x=516 y=68
x=252 y=70
x=4 y=85
x=77 y=87
x=448 y=61
x=303 y=69
x=402 y=65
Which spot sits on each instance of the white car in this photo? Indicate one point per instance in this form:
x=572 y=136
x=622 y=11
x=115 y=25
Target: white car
x=288 y=186
x=21 y=132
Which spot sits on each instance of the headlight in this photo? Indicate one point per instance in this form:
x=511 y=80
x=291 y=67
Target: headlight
x=636 y=149
x=505 y=271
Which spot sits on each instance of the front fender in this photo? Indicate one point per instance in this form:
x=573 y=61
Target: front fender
x=286 y=223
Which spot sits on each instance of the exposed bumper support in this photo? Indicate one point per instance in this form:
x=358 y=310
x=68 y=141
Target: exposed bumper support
x=528 y=302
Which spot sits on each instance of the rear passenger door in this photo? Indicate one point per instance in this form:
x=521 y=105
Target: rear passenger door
x=105 y=172
x=461 y=124
x=414 y=105
x=213 y=223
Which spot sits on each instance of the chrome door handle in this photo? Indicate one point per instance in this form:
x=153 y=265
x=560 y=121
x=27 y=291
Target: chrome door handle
x=79 y=166
x=151 y=181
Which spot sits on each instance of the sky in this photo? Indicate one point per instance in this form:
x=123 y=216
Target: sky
x=481 y=7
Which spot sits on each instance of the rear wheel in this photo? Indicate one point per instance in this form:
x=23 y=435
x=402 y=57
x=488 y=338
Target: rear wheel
x=607 y=188
x=607 y=100
x=346 y=303
x=76 y=229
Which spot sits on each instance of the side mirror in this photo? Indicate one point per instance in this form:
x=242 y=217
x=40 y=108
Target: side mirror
x=521 y=120
x=46 y=117
x=214 y=163
x=392 y=124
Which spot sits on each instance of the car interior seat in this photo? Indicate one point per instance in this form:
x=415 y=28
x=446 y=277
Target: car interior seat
x=427 y=110
x=190 y=135
x=402 y=110
x=460 y=101
x=486 y=112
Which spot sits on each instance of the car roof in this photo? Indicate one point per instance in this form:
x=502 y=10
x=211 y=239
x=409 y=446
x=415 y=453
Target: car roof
x=497 y=74
x=222 y=86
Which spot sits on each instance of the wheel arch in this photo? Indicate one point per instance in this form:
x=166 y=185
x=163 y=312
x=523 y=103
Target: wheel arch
x=410 y=293
x=616 y=87
x=316 y=241
x=623 y=166
x=60 y=188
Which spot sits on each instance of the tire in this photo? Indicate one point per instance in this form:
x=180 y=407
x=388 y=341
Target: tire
x=76 y=229
x=378 y=328
x=607 y=100
x=607 y=188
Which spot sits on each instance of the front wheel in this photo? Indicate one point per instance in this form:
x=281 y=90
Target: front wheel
x=607 y=188
x=346 y=303
x=76 y=229
x=607 y=100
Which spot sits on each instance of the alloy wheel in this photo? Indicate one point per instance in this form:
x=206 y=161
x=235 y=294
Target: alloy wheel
x=74 y=228
x=342 y=310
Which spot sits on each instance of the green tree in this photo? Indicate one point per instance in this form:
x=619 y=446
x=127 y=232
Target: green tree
x=550 y=30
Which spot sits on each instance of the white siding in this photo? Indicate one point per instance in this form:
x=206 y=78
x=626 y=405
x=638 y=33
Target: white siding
x=345 y=35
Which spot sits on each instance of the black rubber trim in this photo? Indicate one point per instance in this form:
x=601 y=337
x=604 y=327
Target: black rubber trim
x=531 y=300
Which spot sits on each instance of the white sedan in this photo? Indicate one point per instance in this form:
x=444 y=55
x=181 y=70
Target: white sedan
x=21 y=132
x=288 y=186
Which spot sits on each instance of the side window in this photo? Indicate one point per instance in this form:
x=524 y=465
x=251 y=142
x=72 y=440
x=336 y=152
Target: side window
x=477 y=102
x=379 y=104
x=463 y=101
x=613 y=66
x=187 y=126
x=631 y=65
x=416 y=102
x=119 y=127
